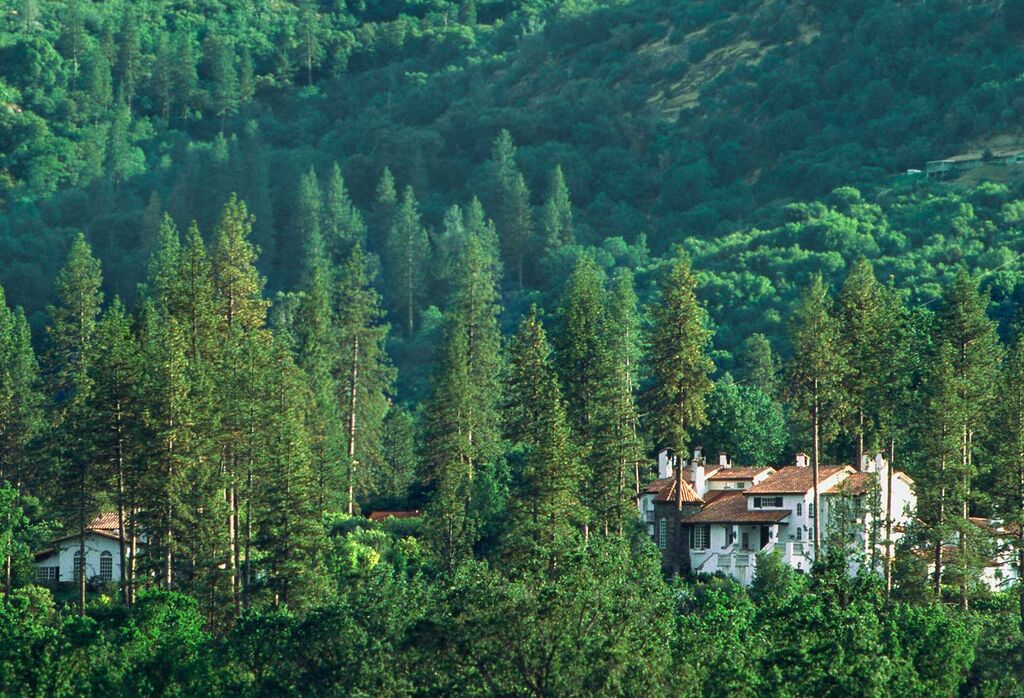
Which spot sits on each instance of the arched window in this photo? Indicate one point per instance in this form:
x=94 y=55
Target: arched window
x=106 y=566
x=79 y=565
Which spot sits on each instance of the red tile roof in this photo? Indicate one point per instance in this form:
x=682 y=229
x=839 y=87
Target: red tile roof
x=667 y=493
x=740 y=473
x=107 y=521
x=853 y=486
x=382 y=515
x=730 y=506
x=794 y=479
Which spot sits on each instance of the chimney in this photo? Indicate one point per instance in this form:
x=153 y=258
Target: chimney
x=664 y=464
x=697 y=453
x=801 y=460
x=723 y=460
x=697 y=478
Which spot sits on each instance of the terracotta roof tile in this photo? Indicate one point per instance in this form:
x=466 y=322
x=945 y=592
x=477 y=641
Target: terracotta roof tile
x=730 y=506
x=107 y=521
x=740 y=473
x=668 y=493
x=794 y=479
x=853 y=486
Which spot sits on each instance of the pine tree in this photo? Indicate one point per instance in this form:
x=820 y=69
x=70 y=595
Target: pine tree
x=129 y=57
x=407 y=251
x=546 y=503
x=556 y=218
x=863 y=320
x=678 y=367
x=399 y=469
x=71 y=336
x=246 y=78
x=451 y=523
x=1009 y=453
x=98 y=85
x=218 y=53
x=21 y=418
x=343 y=225
x=759 y=366
x=616 y=449
x=308 y=225
x=314 y=329
x=511 y=205
x=817 y=375
x=963 y=323
x=161 y=82
x=364 y=374
x=290 y=533
x=116 y=414
x=477 y=224
x=310 y=46
x=385 y=207
x=184 y=78
x=73 y=35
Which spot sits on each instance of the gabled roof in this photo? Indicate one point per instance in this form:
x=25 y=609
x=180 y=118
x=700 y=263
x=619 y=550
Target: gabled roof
x=741 y=473
x=730 y=506
x=795 y=479
x=107 y=521
x=853 y=486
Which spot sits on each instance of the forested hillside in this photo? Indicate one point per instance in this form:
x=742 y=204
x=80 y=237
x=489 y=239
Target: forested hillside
x=270 y=266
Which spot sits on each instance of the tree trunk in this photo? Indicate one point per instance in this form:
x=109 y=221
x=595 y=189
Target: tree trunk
x=814 y=470
x=888 y=519
x=964 y=511
x=352 y=394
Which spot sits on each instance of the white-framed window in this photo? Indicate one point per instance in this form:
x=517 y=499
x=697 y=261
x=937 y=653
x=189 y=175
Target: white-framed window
x=700 y=537
x=662 y=534
x=799 y=508
x=799 y=533
x=47 y=575
x=79 y=565
x=810 y=510
x=767 y=502
x=106 y=566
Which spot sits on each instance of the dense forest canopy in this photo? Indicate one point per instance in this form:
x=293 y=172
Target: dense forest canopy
x=268 y=267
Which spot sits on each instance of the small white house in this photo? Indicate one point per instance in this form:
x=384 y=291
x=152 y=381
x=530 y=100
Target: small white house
x=62 y=561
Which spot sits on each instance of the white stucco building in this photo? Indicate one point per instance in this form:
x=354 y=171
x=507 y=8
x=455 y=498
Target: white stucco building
x=102 y=562
x=728 y=515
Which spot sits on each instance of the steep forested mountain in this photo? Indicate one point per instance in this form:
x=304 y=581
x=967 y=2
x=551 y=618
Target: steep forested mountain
x=671 y=123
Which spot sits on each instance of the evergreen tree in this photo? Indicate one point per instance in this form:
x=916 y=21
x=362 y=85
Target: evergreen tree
x=678 y=367
x=407 y=251
x=116 y=416
x=817 y=376
x=1009 y=453
x=129 y=57
x=309 y=29
x=71 y=335
x=545 y=505
x=758 y=364
x=184 y=78
x=364 y=373
x=309 y=231
x=315 y=354
x=511 y=205
x=218 y=53
x=616 y=448
x=98 y=87
x=343 y=225
x=246 y=77
x=21 y=418
x=385 y=207
x=451 y=521
x=964 y=325
x=556 y=218
x=399 y=469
